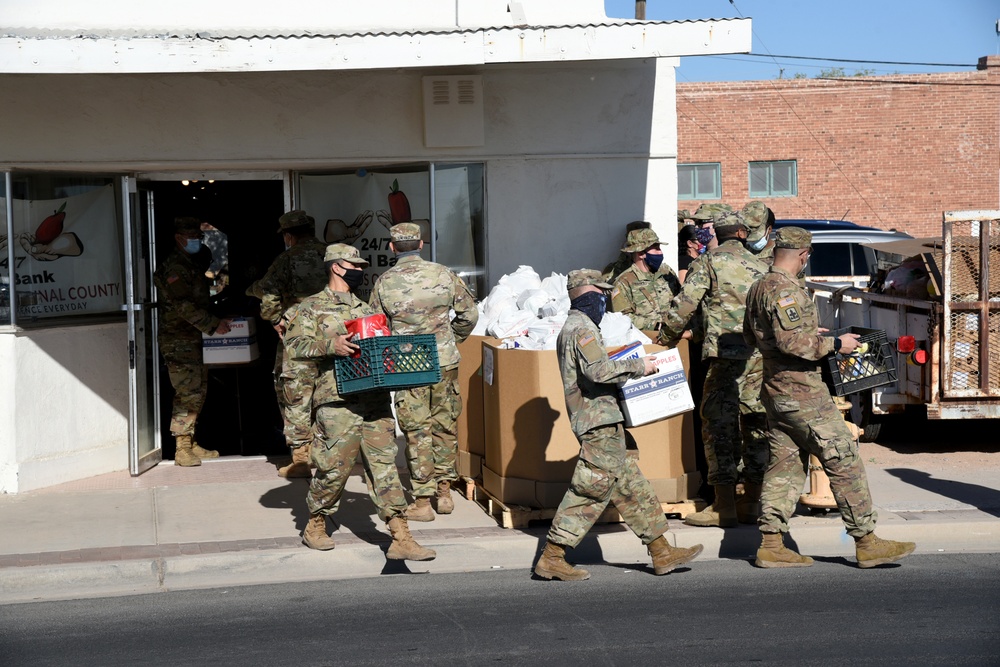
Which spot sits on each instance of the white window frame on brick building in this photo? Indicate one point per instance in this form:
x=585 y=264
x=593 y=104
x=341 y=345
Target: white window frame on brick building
x=703 y=181
x=776 y=178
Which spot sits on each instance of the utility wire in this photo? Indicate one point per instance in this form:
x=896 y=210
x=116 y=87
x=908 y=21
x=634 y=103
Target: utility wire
x=858 y=62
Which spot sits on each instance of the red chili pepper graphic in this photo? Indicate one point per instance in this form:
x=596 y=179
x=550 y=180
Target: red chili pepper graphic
x=51 y=226
x=399 y=205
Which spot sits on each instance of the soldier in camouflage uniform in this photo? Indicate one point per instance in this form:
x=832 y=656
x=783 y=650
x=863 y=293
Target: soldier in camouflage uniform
x=703 y=218
x=624 y=261
x=417 y=297
x=346 y=425
x=781 y=321
x=645 y=289
x=733 y=421
x=183 y=289
x=295 y=274
x=760 y=221
x=605 y=473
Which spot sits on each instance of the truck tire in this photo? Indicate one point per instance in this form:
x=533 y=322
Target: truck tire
x=863 y=416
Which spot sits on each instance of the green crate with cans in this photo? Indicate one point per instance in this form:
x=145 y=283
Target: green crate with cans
x=389 y=363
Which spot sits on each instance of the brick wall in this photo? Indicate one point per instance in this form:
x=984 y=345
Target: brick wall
x=885 y=151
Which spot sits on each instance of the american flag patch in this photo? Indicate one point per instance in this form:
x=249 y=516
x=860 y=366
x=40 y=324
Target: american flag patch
x=172 y=278
x=787 y=301
x=589 y=338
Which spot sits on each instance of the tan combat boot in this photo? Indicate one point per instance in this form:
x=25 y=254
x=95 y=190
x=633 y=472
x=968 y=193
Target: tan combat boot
x=748 y=505
x=314 y=536
x=774 y=553
x=553 y=565
x=420 y=509
x=666 y=557
x=203 y=453
x=445 y=505
x=721 y=513
x=185 y=456
x=403 y=546
x=299 y=467
x=873 y=550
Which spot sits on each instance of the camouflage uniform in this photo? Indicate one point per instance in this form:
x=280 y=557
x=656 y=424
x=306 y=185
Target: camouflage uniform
x=757 y=215
x=640 y=294
x=733 y=419
x=781 y=321
x=417 y=297
x=605 y=473
x=616 y=268
x=295 y=274
x=183 y=289
x=345 y=425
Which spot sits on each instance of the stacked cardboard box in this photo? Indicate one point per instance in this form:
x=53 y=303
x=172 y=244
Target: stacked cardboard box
x=530 y=448
x=471 y=435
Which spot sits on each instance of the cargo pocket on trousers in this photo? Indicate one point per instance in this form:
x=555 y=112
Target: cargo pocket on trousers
x=834 y=439
x=591 y=482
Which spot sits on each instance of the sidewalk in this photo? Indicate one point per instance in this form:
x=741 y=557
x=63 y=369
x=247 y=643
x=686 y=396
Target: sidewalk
x=234 y=522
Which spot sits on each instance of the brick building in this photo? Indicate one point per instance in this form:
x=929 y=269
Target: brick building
x=886 y=151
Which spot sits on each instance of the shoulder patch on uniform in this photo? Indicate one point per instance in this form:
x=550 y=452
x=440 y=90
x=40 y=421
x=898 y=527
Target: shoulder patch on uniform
x=586 y=339
x=615 y=292
x=787 y=301
x=172 y=278
x=590 y=348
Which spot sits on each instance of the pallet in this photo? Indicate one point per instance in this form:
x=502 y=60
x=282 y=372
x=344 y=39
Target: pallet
x=518 y=516
x=465 y=487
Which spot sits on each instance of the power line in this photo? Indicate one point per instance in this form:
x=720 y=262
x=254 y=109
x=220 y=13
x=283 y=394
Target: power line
x=860 y=62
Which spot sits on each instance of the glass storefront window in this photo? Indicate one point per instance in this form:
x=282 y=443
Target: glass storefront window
x=5 y=255
x=359 y=206
x=66 y=242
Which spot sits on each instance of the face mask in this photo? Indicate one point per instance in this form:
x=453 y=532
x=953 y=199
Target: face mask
x=191 y=246
x=704 y=236
x=354 y=277
x=591 y=304
x=653 y=261
x=758 y=245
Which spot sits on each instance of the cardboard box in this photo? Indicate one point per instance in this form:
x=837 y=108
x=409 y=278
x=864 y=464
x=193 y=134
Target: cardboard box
x=531 y=450
x=471 y=435
x=239 y=346
x=470 y=465
x=659 y=396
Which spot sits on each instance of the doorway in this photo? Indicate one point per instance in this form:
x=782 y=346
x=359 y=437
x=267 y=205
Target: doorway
x=241 y=415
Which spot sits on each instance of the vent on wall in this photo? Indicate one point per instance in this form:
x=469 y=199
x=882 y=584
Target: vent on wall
x=453 y=111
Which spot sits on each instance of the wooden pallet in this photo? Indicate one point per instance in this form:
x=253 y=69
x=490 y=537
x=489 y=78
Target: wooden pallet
x=518 y=516
x=465 y=487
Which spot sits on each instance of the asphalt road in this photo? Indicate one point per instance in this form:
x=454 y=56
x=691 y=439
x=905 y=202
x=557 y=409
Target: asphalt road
x=927 y=610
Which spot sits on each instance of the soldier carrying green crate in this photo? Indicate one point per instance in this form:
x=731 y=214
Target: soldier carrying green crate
x=347 y=424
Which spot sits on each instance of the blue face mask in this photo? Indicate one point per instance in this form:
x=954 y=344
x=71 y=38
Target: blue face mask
x=757 y=245
x=591 y=304
x=192 y=246
x=653 y=261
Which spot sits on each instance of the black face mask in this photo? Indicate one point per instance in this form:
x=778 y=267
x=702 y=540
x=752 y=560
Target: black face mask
x=353 y=277
x=591 y=304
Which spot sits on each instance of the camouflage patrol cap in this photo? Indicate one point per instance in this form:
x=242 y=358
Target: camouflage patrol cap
x=640 y=239
x=294 y=219
x=186 y=224
x=795 y=238
x=683 y=214
x=584 y=277
x=705 y=212
x=341 y=251
x=722 y=219
x=637 y=224
x=405 y=231
x=755 y=214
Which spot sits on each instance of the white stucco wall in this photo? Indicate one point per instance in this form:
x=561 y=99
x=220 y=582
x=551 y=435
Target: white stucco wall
x=65 y=405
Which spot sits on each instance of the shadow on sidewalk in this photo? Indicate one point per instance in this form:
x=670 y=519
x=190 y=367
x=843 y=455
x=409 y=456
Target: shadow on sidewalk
x=352 y=513
x=980 y=497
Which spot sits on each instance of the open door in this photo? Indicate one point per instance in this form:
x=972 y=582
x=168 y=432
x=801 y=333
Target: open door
x=145 y=449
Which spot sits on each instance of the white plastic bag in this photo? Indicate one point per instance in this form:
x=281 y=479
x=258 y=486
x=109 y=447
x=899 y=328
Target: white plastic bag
x=523 y=279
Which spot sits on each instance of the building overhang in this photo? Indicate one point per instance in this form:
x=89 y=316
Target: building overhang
x=66 y=51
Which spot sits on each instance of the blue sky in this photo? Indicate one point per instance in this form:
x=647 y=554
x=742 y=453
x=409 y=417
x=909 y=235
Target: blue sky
x=916 y=31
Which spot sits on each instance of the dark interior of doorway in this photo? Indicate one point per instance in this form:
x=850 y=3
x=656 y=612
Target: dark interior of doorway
x=241 y=415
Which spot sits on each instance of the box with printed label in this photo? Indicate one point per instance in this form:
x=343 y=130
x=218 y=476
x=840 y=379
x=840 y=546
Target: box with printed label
x=471 y=435
x=658 y=396
x=238 y=346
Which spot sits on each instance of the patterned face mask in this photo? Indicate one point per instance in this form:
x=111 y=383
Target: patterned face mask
x=591 y=304
x=704 y=236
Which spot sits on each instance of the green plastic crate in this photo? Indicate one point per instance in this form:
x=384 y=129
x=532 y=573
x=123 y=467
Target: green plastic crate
x=389 y=362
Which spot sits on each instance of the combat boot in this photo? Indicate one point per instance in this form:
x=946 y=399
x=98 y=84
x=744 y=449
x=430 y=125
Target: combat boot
x=552 y=565
x=299 y=467
x=748 y=505
x=873 y=550
x=721 y=513
x=314 y=536
x=666 y=557
x=203 y=453
x=445 y=505
x=403 y=546
x=774 y=553
x=420 y=509
x=185 y=455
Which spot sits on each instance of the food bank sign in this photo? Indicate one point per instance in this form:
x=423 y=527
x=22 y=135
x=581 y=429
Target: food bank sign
x=67 y=255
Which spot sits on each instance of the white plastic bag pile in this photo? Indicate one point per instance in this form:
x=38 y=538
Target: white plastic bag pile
x=527 y=312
